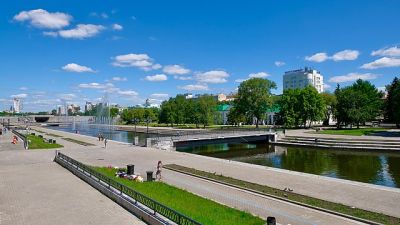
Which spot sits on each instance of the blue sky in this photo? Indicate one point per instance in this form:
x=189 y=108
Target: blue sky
x=56 y=51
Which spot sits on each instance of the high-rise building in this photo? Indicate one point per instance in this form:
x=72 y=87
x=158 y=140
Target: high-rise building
x=302 y=78
x=16 y=105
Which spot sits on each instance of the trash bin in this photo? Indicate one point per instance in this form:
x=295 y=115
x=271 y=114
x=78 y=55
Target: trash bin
x=271 y=220
x=130 y=169
x=149 y=175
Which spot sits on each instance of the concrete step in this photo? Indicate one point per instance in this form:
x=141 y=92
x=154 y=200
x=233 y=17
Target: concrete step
x=369 y=144
x=333 y=140
x=338 y=146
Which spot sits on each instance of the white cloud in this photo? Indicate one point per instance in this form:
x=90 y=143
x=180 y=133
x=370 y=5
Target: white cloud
x=67 y=97
x=389 y=51
x=213 y=76
x=104 y=15
x=327 y=86
x=81 y=31
x=240 y=80
x=116 y=26
x=128 y=93
x=279 y=63
x=73 y=67
x=175 y=69
x=176 y=77
x=259 y=75
x=23 y=88
x=50 y=33
x=41 y=18
x=23 y=95
x=194 y=87
x=142 y=61
x=157 y=77
x=352 y=77
x=95 y=86
x=318 y=57
x=346 y=55
x=119 y=79
x=159 y=95
x=382 y=63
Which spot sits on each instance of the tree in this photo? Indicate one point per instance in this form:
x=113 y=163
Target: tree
x=235 y=117
x=330 y=103
x=358 y=103
x=114 y=112
x=392 y=103
x=254 y=97
x=167 y=112
x=290 y=107
x=207 y=106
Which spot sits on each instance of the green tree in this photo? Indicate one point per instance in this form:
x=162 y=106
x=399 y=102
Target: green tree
x=167 y=112
x=254 y=97
x=358 y=103
x=312 y=105
x=179 y=109
x=330 y=103
x=235 y=117
x=392 y=103
x=114 y=112
x=207 y=109
x=291 y=107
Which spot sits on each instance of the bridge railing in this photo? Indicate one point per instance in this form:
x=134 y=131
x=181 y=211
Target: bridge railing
x=150 y=203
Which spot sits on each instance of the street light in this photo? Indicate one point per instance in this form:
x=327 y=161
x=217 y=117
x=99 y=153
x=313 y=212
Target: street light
x=148 y=120
x=135 y=121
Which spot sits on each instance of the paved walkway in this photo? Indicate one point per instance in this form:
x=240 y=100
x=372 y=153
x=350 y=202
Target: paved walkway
x=35 y=190
x=371 y=197
x=6 y=145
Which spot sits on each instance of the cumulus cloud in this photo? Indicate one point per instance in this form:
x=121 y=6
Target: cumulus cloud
x=240 y=80
x=175 y=69
x=41 y=18
x=128 y=93
x=95 y=85
x=119 y=79
x=346 y=55
x=142 y=61
x=176 y=77
x=116 y=26
x=23 y=95
x=353 y=77
x=259 y=75
x=279 y=63
x=382 y=63
x=318 y=57
x=81 y=31
x=389 y=51
x=157 y=77
x=67 y=97
x=213 y=76
x=76 y=68
x=194 y=87
x=159 y=95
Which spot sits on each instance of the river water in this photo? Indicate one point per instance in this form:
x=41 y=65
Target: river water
x=374 y=167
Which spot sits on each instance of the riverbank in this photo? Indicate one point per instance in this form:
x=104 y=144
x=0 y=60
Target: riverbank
x=365 y=196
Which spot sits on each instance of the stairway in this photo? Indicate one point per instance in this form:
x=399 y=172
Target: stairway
x=358 y=144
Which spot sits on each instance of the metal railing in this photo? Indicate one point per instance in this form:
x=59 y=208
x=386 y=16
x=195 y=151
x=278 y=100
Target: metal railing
x=23 y=137
x=152 y=204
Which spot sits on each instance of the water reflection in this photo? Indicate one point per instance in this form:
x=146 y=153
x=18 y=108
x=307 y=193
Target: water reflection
x=368 y=167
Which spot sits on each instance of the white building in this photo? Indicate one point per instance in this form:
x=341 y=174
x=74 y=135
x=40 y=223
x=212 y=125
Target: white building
x=16 y=105
x=303 y=77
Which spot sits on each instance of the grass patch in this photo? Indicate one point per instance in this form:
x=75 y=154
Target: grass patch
x=354 y=132
x=360 y=213
x=39 y=143
x=78 y=142
x=198 y=208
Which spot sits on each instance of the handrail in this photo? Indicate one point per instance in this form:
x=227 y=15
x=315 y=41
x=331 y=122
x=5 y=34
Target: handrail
x=23 y=137
x=152 y=204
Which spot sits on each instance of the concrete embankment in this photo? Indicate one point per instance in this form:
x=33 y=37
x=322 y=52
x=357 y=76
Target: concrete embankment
x=334 y=143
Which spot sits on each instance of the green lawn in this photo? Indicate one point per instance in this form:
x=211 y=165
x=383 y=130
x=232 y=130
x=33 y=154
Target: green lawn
x=373 y=216
x=198 y=208
x=355 y=131
x=38 y=143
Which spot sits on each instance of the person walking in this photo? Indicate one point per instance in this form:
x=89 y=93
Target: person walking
x=158 y=172
x=105 y=142
x=99 y=136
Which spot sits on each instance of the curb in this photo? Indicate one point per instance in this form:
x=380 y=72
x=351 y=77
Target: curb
x=279 y=198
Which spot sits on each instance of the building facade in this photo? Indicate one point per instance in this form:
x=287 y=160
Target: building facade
x=302 y=78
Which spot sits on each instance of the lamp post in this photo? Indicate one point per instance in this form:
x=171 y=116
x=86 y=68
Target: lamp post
x=135 y=121
x=148 y=120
